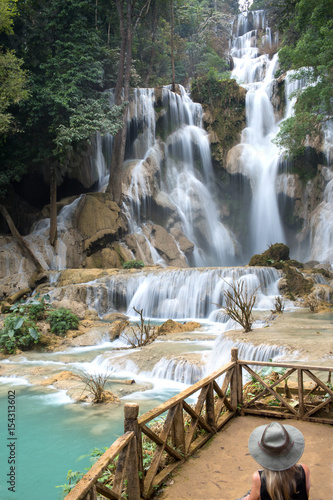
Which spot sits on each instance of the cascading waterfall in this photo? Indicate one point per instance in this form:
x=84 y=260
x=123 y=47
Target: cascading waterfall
x=188 y=185
x=179 y=170
x=179 y=294
x=260 y=158
x=220 y=353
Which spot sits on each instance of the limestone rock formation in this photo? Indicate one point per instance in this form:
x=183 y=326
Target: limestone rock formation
x=99 y=220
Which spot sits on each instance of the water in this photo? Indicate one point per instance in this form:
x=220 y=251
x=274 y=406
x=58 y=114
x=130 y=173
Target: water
x=175 y=174
x=178 y=294
x=53 y=432
x=260 y=157
x=50 y=440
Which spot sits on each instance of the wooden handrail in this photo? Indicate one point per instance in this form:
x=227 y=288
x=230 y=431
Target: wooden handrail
x=284 y=365
x=181 y=396
x=82 y=488
x=187 y=427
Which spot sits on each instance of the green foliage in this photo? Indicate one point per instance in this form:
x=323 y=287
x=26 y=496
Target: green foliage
x=20 y=328
x=211 y=90
x=201 y=40
x=7 y=12
x=224 y=100
x=61 y=320
x=19 y=332
x=73 y=477
x=133 y=264
x=34 y=309
x=307 y=48
x=67 y=59
x=12 y=77
x=87 y=118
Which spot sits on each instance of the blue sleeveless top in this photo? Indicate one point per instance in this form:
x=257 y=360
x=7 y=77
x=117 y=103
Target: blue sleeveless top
x=300 y=486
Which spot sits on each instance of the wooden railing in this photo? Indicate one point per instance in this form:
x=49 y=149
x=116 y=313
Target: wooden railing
x=187 y=426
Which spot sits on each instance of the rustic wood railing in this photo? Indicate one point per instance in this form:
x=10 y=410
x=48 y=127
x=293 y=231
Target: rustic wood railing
x=187 y=426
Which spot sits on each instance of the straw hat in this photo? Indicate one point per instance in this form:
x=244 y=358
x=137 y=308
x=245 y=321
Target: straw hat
x=276 y=447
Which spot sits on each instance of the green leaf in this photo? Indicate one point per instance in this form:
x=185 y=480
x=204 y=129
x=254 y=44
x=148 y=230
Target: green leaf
x=33 y=333
x=18 y=323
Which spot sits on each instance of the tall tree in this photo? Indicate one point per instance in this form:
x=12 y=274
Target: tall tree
x=172 y=48
x=13 y=78
x=129 y=18
x=65 y=57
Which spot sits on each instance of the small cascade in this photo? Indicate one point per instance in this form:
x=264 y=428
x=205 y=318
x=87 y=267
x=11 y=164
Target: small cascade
x=220 y=353
x=179 y=294
x=260 y=158
x=179 y=370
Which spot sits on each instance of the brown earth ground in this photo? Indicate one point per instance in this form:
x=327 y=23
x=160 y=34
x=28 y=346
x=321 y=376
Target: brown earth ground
x=223 y=468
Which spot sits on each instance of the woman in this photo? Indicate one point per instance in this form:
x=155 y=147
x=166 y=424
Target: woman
x=278 y=448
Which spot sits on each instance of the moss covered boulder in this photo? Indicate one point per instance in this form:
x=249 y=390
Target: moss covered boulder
x=274 y=256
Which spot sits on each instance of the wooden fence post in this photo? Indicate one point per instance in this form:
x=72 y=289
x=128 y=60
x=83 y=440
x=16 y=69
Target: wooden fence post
x=131 y=412
x=234 y=380
x=300 y=393
x=178 y=435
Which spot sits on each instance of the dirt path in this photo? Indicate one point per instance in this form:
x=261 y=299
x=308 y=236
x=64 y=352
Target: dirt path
x=223 y=468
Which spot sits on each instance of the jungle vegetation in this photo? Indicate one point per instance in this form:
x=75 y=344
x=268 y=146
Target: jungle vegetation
x=59 y=58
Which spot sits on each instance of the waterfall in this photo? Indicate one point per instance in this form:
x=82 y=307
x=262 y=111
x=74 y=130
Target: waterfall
x=177 y=171
x=178 y=294
x=260 y=157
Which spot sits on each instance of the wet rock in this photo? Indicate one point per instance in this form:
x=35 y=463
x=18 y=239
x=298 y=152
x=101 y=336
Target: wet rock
x=171 y=326
x=138 y=244
x=77 y=308
x=185 y=244
x=63 y=375
x=321 y=293
x=76 y=276
x=115 y=317
x=165 y=244
x=105 y=258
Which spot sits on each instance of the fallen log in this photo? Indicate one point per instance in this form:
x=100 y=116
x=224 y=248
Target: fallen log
x=119 y=381
x=18 y=295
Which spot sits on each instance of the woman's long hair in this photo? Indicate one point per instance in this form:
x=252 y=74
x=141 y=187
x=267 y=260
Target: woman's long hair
x=281 y=485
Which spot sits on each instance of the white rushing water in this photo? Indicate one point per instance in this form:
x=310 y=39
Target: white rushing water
x=260 y=156
x=181 y=293
x=178 y=171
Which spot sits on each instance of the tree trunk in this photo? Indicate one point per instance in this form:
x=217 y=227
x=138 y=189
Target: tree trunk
x=153 y=50
x=53 y=205
x=115 y=180
x=123 y=80
x=23 y=244
x=172 y=50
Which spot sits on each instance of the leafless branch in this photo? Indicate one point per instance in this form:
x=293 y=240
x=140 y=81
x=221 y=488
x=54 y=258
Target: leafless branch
x=143 y=334
x=239 y=304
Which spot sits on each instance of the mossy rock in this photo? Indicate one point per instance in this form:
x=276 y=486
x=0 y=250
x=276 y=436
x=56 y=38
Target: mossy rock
x=296 y=284
x=274 y=256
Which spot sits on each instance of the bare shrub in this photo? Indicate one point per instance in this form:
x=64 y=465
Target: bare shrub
x=278 y=305
x=313 y=304
x=96 y=383
x=239 y=304
x=142 y=335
